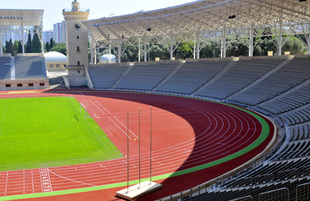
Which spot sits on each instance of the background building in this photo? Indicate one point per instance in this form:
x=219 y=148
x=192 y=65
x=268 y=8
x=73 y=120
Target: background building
x=60 y=32
x=48 y=35
x=55 y=61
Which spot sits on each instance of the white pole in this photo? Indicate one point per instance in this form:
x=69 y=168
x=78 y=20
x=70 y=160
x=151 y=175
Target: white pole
x=145 y=51
x=127 y=151
x=91 y=50
x=251 y=41
x=171 y=47
x=150 y=145
x=139 y=54
x=23 y=39
x=280 y=42
x=194 y=54
x=1 y=50
x=110 y=52
x=223 y=44
x=139 y=154
x=42 y=39
x=198 y=45
x=119 y=43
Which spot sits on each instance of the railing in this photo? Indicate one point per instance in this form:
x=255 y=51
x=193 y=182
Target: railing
x=75 y=66
x=70 y=10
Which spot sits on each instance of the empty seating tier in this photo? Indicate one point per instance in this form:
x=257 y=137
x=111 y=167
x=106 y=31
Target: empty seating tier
x=192 y=75
x=240 y=75
x=103 y=76
x=5 y=68
x=29 y=67
x=290 y=75
x=146 y=76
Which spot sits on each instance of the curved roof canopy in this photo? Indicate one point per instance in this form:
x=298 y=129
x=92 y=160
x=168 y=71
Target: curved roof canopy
x=201 y=15
x=18 y=17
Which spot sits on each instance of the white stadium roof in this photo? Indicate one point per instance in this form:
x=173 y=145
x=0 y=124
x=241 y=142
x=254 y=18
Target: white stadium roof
x=202 y=15
x=18 y=17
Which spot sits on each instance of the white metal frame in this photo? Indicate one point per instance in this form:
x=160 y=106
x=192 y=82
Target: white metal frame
x=21 y=21
x=221 y=16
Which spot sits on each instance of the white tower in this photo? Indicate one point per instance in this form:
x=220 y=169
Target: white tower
x=77 y=44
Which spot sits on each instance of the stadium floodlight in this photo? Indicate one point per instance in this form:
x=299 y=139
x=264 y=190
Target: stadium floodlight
x=232 y=17
x=302 y=0
x=149 y=29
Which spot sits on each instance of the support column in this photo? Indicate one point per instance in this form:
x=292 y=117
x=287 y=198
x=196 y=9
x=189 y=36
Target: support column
x=280 y=41
x=95 y=52
x=23 y=40
x=119 y=49
x=91 y=50
x=198 y=45
x=42 y=39
x=223 y=43
x=194 y=53
x=1 y=49
x=139 y=52
x=145 y=50
x=307 y=36
x=171 y=48
x=110 y=53
x=251 y=42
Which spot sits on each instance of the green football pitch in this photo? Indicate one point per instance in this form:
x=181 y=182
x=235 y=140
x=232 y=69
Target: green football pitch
x=47 y=132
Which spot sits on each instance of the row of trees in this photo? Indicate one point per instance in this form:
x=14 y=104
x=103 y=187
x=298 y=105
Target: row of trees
x=33 y=45
x=210 y=48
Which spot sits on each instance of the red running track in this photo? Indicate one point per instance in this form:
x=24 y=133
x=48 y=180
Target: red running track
x=186 y=133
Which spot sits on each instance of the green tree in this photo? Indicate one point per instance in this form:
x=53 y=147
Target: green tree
x=20 y=47
x=9 y=47
x=238 y=47
x=158 y=50
x=47 y=46
x=15 y=47
x=184 y=50
x=28 y=46
x=294 y=45
x=52 y=43
x=36 y=44
x=60 y=47
x=211 y=49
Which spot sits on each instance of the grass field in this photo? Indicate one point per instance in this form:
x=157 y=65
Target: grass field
x=47 y=132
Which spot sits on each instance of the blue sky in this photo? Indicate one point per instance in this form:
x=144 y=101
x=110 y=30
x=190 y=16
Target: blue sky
x=98 y=8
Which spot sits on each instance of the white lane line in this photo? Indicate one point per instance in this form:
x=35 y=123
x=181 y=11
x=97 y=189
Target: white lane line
x=71 y=179
x=119 y=127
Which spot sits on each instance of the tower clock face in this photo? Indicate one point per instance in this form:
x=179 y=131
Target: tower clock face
x=77 y=26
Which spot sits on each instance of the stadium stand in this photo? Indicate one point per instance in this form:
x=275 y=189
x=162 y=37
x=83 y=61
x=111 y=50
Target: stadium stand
x=5 y=68
x=242 y=73
x=30 y=67
x=290 y=75
x=297 y=116
x=104 y=76
x=295 y=98
x=192 y=75
x=146 y=76
x=275 y=86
